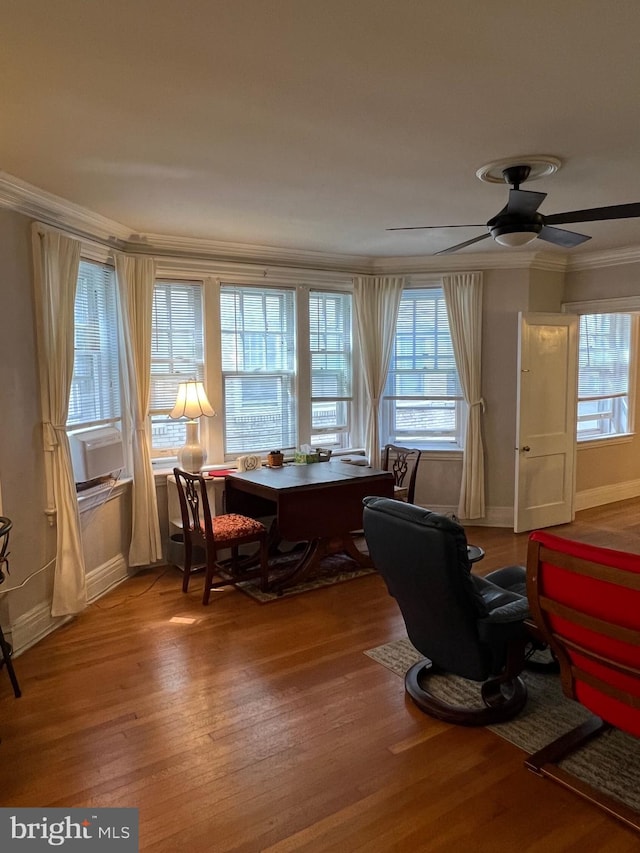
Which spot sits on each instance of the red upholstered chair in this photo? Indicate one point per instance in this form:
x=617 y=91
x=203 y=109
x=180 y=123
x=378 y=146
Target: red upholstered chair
x=215 y=533
x=585 y=601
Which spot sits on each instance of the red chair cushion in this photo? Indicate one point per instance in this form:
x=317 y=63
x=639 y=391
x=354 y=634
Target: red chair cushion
x=233 y=526
x=602 y=600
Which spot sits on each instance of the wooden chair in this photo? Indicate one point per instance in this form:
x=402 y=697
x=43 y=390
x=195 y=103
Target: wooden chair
x=585 y=601
x=5 y=648
x=403 y=463
x=216 y=532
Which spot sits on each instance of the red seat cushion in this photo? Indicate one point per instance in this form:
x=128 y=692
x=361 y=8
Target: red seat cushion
x=612 y=603
x=233 y=526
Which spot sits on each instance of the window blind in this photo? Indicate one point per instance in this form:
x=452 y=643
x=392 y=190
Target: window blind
x=604 y=354
x=95 y=385
x=177 y=353
x=330 y=345
x=603 y=374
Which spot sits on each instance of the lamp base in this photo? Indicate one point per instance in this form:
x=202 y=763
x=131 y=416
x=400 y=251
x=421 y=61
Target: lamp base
x=193 y=455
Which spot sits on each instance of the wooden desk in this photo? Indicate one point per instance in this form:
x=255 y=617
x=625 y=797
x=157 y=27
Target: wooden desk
x=320 y=504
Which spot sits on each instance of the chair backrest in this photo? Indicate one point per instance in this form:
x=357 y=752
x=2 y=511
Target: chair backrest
x=403 y=463
x=586 y=602
x=194 y=504
x=422 y=557
x=5 y=526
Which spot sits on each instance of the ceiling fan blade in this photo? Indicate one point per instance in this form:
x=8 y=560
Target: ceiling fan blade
x=423 y=227
x=523 y=202
x=462 y=245
x=595 y=214
x=561 y=237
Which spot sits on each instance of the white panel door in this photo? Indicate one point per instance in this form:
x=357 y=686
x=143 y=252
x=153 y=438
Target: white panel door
x=546 y=420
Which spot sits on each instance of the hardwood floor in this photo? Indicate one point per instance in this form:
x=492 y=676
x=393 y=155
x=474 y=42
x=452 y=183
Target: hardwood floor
x=248 y=727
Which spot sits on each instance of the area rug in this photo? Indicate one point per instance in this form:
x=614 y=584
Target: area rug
x=334 y=569
x=610 y=763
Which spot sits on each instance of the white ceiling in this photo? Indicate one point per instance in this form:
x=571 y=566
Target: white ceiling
x=317 y=124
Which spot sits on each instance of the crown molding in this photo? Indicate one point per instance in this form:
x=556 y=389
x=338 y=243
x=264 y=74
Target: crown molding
x=608 y=258
x=160 y=245
x=231 y=272
x=492 y=260
x=58 y=212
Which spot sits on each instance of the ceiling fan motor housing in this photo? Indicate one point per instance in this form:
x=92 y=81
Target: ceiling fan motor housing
x=508 y=223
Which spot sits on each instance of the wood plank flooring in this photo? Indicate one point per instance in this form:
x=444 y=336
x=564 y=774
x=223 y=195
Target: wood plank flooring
x=246 y=727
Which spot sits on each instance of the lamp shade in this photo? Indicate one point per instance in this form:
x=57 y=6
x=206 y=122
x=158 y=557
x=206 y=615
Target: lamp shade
x=192 y=402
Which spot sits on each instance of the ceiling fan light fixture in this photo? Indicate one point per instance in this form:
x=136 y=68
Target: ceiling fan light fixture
x=513 y=239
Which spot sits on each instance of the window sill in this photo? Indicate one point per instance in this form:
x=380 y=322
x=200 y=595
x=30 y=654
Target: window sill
x=448 y=453
x=605 y=441
x=98 y=495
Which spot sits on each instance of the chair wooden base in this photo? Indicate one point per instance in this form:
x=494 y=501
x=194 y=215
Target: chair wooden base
x=6 y=653
x=229 y=572
x=545 y=763
x=503 y=697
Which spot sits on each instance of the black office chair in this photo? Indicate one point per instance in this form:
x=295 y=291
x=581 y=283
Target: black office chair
x=403 y=463
x=464 y=625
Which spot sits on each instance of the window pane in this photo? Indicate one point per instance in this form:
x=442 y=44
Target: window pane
x=423 y=400
x=330 y=345
x=258 y=369
x=177 y=353
x=95 y=386
x=603 y=375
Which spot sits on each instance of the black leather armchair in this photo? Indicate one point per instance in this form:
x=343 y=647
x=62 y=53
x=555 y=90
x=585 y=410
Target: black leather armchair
x=464 y=625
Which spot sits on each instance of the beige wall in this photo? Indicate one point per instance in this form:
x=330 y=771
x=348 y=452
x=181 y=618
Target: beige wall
x=32 y=541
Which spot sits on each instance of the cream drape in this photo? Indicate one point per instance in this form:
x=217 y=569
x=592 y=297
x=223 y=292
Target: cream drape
x=463 y=297
x=56 y=263
x=136 y=278
x=376 y=305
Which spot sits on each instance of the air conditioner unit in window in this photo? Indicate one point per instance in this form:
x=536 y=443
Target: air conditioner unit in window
x=96 y=453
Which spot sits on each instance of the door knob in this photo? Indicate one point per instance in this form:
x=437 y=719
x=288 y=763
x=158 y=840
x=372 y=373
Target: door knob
x=525 y=449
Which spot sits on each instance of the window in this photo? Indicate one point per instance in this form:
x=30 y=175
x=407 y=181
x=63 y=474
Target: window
x=423 y=402
x=258 y=369
x=330 y=345
x=177 y=353
x=605 y=343
x=95 y=385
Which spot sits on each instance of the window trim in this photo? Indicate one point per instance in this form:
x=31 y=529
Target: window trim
x=212 y=274
x=618 y=305
x=436 y=445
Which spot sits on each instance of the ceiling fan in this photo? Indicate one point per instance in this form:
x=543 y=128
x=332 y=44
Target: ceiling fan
x=519 y=222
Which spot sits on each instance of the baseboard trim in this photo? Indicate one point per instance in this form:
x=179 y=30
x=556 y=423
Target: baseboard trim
x=106 y=576
x=38 y=622
x=33 y=626
x=589 y=498
x=496 y=516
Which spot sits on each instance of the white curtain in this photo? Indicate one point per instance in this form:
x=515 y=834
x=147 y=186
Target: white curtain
x=56 y=263
x=136 y=277
x=463 y=297
x=376 y=304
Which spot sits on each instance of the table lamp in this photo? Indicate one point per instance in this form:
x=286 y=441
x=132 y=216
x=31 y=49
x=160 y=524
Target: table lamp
x=192 y=403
